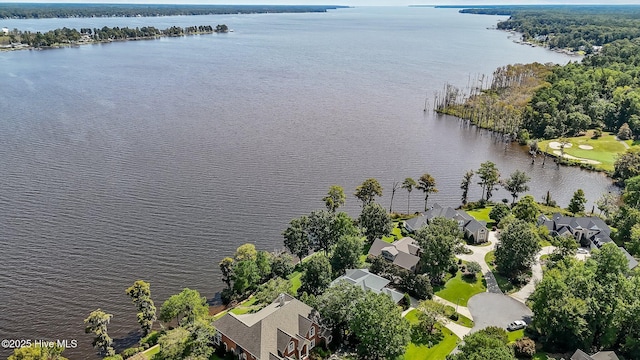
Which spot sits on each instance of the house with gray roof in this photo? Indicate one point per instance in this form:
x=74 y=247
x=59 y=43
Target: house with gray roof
x=404 y=253
x=285 y=329
x=584 y=229
x=473 y=229
x=369 y=282
x=601 y=355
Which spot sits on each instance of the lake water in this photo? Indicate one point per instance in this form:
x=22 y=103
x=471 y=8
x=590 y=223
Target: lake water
x=155 y=159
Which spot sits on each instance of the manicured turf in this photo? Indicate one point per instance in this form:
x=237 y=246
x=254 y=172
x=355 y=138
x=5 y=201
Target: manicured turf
x=150 y=352
x=515 y=335
x=481 y=214
x=396 y=233
x=436 y=352
x=296 y=281
x=605 y=149
x=462 y=320
x=459 y=289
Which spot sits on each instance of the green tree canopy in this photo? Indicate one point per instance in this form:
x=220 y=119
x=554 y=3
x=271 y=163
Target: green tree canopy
x=335 y=198
x=464 y=185
x=368 y=190
x=498 y=212
x=526 y=209
x=378 y=325
x=246 y=252
x=489 y=177
x=140 y=293
x=346 y=254
x=517 y=249
x=325 y=228
x=246 y=276
x=438 y=241
x=576 y=204
x=427 y=184
x=35 y=352
x=296 y=239
x=337 y=304
x=316 y=276
x=488 y=343
x=516 y=184
x=186 y=307
x=96 y=323
x=375 y=221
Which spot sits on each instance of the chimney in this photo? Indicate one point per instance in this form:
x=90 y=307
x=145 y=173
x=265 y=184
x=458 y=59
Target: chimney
x=281 y=299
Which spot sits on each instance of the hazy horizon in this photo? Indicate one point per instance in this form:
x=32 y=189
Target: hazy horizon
x=340 y=2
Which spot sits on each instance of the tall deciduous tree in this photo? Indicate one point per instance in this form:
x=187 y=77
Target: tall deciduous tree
x=140 y=293
x=438 y=241
x=97 y=323
x=368 y=190
x=516 y=184
x=336 y=305
x=429 y=313
x=325 y=228
x=526 y=209
x=226 y=267
x=335 y=198
x=408 y=184
x=316 y=276
x=173 y=344
x=263 y=262
x=631 y=195
x=296 y=238
x=282 y=266
x=489 y=177
x=427 y=184
x=374 y=221
x=246 y=276
x=346 y=254
x=607 y=204
x=489 y=343
x=246 y=252
x=518 y=248
x=464 y=185
x=378 y=325
x=186 y=307
x=576 y=204
x=36 y=352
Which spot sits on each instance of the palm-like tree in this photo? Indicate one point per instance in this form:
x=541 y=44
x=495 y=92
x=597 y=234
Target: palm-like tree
x=427 y=184
x=408 y=184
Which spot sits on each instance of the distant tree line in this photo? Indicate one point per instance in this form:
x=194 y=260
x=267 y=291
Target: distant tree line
x=72 y=36
x=41 y=11
x=572 y=27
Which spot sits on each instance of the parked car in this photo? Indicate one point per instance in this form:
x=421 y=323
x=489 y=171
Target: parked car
x=517 y=325
x=582 y=251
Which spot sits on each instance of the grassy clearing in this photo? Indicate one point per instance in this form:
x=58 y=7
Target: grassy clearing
x=396 y=233
x=550 y=210
x=462 y=320
x=605 y=149
x=296 y=281
x=483 y=215
x=436 y=352
x=151 y=352
x=460 y=289
x=515 y=335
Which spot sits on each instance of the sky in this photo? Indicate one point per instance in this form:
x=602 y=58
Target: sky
x=343 y=2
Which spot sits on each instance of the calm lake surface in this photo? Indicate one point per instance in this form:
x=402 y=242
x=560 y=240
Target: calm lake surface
x=155 y=159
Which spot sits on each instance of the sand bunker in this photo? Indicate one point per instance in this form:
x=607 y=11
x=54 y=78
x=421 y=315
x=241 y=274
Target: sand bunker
x=556 y=145
x=584 y=161
x=585 y=147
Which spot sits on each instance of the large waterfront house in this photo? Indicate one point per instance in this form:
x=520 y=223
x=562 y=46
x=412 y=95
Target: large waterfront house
x=404 y=253
x=369 y=282
x=601 y=355
x=589 y=231
x=474 y=230
x=285 y=329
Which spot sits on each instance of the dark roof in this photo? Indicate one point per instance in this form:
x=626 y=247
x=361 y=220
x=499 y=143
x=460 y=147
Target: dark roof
x=416 y=223
x=377 y=246
x=403 y=259
x=474 y=225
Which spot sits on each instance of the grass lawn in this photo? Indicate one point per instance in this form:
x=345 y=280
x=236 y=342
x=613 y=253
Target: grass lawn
x=460 y=289
x=482 y=215
x=462 y=320
x=296 y=281
x=436 y=352
x=396 y=233
x=605 y=149
x=515 y=335
x=550 y=210
x=151 y=352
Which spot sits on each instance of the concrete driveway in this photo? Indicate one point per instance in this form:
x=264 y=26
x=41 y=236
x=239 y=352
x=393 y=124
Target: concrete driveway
x=491 y=309
x=478 y=255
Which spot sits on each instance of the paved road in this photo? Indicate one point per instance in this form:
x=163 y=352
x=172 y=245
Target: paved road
x=478 y=255
x=490 y=309
x=536 y=276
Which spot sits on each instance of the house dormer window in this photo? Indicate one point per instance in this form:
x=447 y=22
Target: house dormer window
x=291 y=346
x=312 y=331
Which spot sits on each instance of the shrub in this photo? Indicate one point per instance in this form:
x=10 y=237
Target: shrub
x=454 y=316
x=473 y=268
x=596 y=134
x=151 y=339
x=127 y=353
x=524 y=348
x=407 y=301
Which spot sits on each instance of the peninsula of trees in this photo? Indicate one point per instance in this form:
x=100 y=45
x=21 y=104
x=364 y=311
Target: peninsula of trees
x=65 y=36
x=51 y=10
